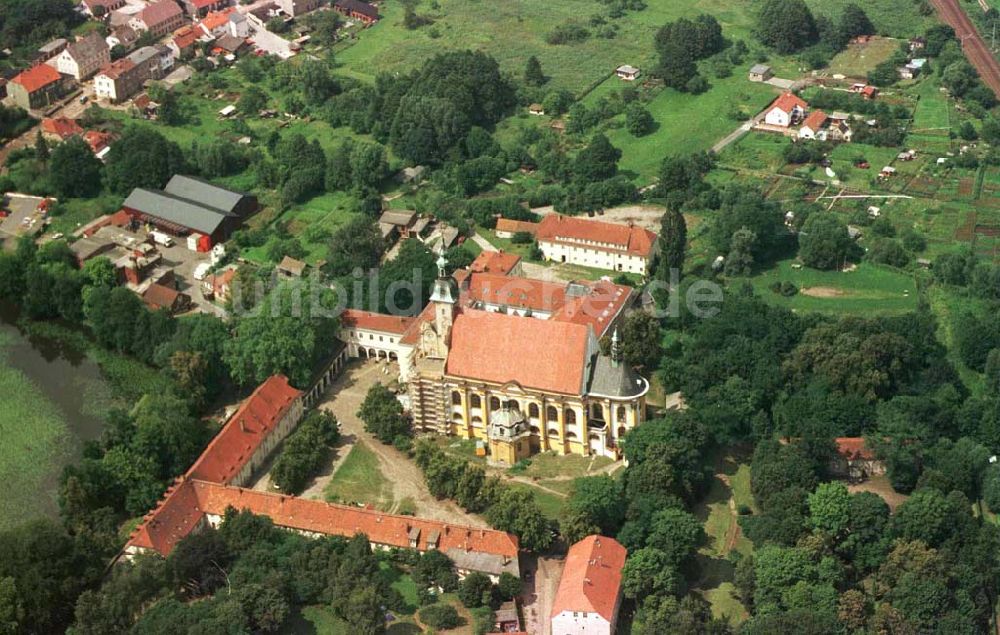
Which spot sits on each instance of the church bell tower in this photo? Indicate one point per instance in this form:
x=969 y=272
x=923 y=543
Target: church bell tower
x=445 y=299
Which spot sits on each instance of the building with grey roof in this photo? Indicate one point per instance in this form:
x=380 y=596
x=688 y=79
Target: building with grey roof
x=191 y=206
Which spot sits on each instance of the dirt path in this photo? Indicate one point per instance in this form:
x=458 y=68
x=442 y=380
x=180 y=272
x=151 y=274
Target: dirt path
x=344 y=398
x=539 y=592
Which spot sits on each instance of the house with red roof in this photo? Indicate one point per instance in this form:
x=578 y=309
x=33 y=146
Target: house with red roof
x=357 y=10
x=814 y=125
x=785 y=111
x=600 y=245
x=158 y=18
x=38 y=87
x=855 y=460
x=590 y=590
x=60 y=128
x=500 y=262
x=200 y=8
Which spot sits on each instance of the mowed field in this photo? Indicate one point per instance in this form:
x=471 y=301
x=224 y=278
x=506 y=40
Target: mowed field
x=857 y=59
x=867 y=290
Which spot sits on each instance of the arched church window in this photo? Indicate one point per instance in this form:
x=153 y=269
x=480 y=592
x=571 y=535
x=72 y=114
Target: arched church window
x=475 y=401
x=570 y=416
x=533 y=410
x=551 y=413
x=494 y=403
x=456 y=398
x=621 y=413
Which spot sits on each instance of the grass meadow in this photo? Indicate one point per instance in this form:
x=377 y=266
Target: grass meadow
x=359 y=480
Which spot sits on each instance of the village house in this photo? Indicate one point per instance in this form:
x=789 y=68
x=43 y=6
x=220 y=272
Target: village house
x=610 y=246
x=785 y=111
x=101 y=8
x=917 y=44
x=590 y=590
x=60 y=129
x=215 y=483
x=200 y=8
x=119 y=80
x=218 y=285
x=238 y=24
x=497 y=262
x=627 y=72
x=82 y=58
x=38 y=87
x=396 y=223
x=760 y=73
x=184 y=41
x=357 y=10
x=158 y=18
x=216 y=24
x=854 y=460
x=814 y=126
x=295 y=8
x=159 y=296
x=912 y=69
x=123 y=35
x=229 y=45
x=99 y=142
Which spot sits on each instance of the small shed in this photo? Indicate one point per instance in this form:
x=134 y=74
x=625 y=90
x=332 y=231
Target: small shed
x=536 y=109
x=627 y=72
x=761 y=73
x=228 y=111
x=291 y=268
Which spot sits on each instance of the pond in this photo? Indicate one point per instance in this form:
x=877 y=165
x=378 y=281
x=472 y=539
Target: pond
x=52 y=400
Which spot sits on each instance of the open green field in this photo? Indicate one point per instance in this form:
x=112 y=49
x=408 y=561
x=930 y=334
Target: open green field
x=857 y=59
x=514 y=30
x=359 y=480
x=312 y=223
x=889 y=17
x=868 y=290
x=933 y=112
x=687 y=123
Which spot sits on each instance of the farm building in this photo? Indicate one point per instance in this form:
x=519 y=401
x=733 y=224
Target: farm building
x=37 y=87
x=589 y=243
x=191 y=206
x=760 y=73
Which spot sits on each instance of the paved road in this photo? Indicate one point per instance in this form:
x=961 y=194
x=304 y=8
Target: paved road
x=732 y=137
x=540 y=591
x=975 y=48
x=483 y=243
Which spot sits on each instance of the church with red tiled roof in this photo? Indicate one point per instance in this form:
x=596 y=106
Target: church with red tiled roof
x=512 y=362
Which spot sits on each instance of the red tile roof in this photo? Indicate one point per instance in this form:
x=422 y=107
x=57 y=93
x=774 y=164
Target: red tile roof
x=186 y=37
x=215 y=19
x=355 y=318
x=37 y=77
x=591 y=579
x=787 y=102
x=501 y=262
x=61 y=127
x=160 y=12
x=854 y=448
x=542 y=354
x=97 y=140
x=239 y=438
x=815 y=120
x=514 y=226
x=869 y=91
x=185 y=504
x=159 y=296
x=116 y=69
x=630 y=239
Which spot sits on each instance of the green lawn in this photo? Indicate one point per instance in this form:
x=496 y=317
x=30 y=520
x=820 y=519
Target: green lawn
x=548 y=465
x=551 y=505
x=889 y=17
x=512 y=31
x=868 y=290
x=858 y=59
x=933 y=111
x=687 y=123
x=359 y=480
